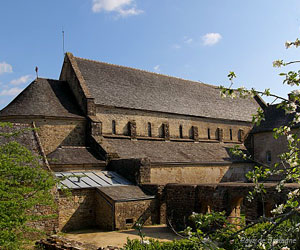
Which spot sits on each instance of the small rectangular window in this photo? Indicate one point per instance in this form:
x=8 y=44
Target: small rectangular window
x=129 y=221
x=230 y=134
x=208 y=133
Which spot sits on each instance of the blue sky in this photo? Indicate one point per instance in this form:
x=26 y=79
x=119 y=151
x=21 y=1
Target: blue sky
x=193 y=39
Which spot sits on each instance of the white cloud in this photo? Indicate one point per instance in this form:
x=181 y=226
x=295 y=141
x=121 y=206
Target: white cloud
x=122 y=7
x=176 y=46
x=21 y=80
x=5 y=68
x=211 y=39
x=157 y=68
x=11 y=92
x=188 y=40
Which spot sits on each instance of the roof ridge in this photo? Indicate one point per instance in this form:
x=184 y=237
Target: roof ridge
x=147 y=71
x=43 y=78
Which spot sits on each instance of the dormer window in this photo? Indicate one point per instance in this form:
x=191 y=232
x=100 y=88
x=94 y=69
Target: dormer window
x=113 y=127
x=180 y=131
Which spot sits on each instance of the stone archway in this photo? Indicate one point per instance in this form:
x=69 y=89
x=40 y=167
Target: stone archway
x=235 y=210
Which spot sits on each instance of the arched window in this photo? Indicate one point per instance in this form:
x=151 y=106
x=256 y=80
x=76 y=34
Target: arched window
x=128 y=132
x=208 y=133
x=180 y=131
x=113 y=127
x=149 y=129
x=230 y=134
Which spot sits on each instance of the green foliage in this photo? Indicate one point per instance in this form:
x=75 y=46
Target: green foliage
x=24 y=185
x=156 y=245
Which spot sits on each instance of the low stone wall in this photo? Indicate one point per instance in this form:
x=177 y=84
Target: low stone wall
x=183 y=199
x=77 y=211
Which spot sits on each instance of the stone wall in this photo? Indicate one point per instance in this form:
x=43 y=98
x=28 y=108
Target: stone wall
x=140 y=171
x=182 y=200
x=264 y=142
x=71 y=74
x=49 y=224
x=88 y=208
x=160 y=195
x=129 y=212
x=122 y=117
x=199 y=174
x=57 y=132
x=77 y=211
x=128 y=168
x=104 y=212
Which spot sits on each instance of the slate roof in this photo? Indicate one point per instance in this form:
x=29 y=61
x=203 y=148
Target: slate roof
x=125 y=193
x=174 y=152
x=44 y=97
x=274 y=118
x=23 y=135
x=74 y=156
x=118 y=86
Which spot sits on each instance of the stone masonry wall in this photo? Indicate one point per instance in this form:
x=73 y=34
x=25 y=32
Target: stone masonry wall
x=104 y=212
x=160 y=195
x=47 y=225
x=56 y=132
x=77 y=211
x=127 y=213
x=199 y=174
x=128 y=168
x=142 y=118
x=264 y=142
x=60 y=133
x=183 y=199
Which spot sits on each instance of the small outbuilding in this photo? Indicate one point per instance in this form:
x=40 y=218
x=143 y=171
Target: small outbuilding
x=120 y=207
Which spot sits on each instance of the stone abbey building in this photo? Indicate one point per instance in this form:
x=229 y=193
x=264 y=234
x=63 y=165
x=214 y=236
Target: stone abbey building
x=132 y=144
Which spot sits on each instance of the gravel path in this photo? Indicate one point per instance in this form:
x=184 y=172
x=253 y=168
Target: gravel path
x=119 y=238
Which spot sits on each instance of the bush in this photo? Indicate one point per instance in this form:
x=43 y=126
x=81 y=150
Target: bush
x=156 y=245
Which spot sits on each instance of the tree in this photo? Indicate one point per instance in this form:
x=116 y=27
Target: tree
x=24 y=185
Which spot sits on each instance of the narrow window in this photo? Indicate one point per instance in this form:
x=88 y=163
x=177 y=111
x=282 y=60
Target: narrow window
x=230 y=134
x=162 y=131
x=180 y=132
x=240 y=135
x=128 y=132
x=113 y=125
x=208 y=133
x=268 y=156
x=149 y=130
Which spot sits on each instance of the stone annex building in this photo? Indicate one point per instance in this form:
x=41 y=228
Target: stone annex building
x=140 y=144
